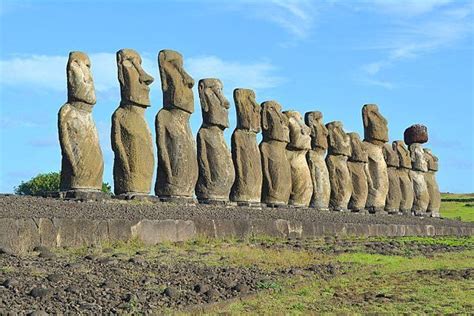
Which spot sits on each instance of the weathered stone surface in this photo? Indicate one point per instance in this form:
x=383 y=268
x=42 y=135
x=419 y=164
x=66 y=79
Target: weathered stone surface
x=417 y=174
x=336 y=161
x=432 y=184
x=82 y=163
x=276 y=186
x=359 y=171
x=299 y=145
x=377 y=179
x=394 y=196
x=247 y=186
x=406 y=185
x=216 y=171
x=416 y=133
x=177 y=162
x=131 y=137
x=375 y=125
x=375 y=135
x=316 y=160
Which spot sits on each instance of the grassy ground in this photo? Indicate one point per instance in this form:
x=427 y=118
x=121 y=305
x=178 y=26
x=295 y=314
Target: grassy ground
x=402 y=275
x=458 y=209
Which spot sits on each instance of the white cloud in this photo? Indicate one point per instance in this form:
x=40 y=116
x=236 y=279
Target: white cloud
x=407 y=7
x=256 y=75
x=49 y=72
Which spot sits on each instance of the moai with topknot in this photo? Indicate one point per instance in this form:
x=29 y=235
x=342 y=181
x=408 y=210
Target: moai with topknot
x=276 y=186
x=415 y=136
x=375 y=136
x=247 y=187
x=316 y=161
x=132 y=142
x=82 y=163
x=336 y=161
x=216 y=171
x=177 y=172
x=299 y=145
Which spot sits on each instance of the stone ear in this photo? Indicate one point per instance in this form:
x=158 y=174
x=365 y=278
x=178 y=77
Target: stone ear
x=120 y=68
x=264 y=118
x=161 y=66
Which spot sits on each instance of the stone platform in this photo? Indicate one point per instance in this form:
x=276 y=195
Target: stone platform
x=26 y=222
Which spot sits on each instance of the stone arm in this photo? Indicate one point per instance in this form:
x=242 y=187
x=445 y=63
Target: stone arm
x=236 y=157
x=163 y=155
x=266 y=171
x=367 y=174
x=64 y=139
x=202 y=158
x=117 y=144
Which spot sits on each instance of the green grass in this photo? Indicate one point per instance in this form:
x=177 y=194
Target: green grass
x=458 y=210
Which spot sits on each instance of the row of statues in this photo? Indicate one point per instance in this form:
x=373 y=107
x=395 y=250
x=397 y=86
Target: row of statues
x=300 y=162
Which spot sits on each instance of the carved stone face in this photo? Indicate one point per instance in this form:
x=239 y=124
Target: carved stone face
x=248 y=110
x=134 y=81
x=80 y=85
x=300 y=138
x=357 y=150
x=403 y=154
x=418 y=158
x=215 y=107
x=431 y=159
x=319 y=132
x=390 y=156
x=339 y=142
x=175 y=82
x=375 y=125
x=274 y=123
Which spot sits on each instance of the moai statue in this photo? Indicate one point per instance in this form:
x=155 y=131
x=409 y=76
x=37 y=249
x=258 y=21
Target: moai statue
x=359 y=171
x=177 y=162
x=216 y=171
x=299 y=145
x=132 y=142
x=415 y=136
x=394 y=196
x=336 y=161
x=375 y=136
x=82 y=164
x=406 y=185
x=316 y=161
x=276 y=186
x=432 y=184
x=247 y=188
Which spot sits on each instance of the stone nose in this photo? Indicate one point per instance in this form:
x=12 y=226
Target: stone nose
x=146 y=78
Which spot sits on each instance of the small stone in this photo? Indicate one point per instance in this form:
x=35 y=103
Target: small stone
x=39 y=292
x=170 y=292
x=38 y=313
x=41 y=248
x=5 y=251
x=241 y=288
x=137 y=260
x=46 y=255
x=55 y=277
x=10 y=283
x=211 y=295
x=201 y=288
x=73 y=289
x=130 y=297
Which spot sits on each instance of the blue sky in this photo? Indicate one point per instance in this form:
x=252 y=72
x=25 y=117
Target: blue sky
x=413 y=58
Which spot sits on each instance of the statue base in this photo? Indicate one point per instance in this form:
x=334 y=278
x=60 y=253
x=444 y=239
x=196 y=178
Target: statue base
x=377 y=211
x=360 y=211
x=339 y=209
x=84 y=196
x=249 y=204
x=183 y=200
x=137 y=197
x=393 y=212
x=276 y=205
x=216 y=202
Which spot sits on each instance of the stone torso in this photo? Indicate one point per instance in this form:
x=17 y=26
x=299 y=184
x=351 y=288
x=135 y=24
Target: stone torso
x=378 y=177
x=320 y=178
x=216 y=171
x=78 y=132
x=276 y=172
x=177 y=162
x=133 y=146
x=248 y=167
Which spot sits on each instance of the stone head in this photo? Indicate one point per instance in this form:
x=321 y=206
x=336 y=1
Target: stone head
x=248 y=110
x=300 y=138
x=418 y=157
x=134 y=81
x=375 y=125
x=390 y=156
x=403 y=154
x=274 y=123
x=357 y=150
x=175 y=82
x=431 y=159
x=338 y=141
x=80 y=85
x=215 y=107
x=318 y=132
